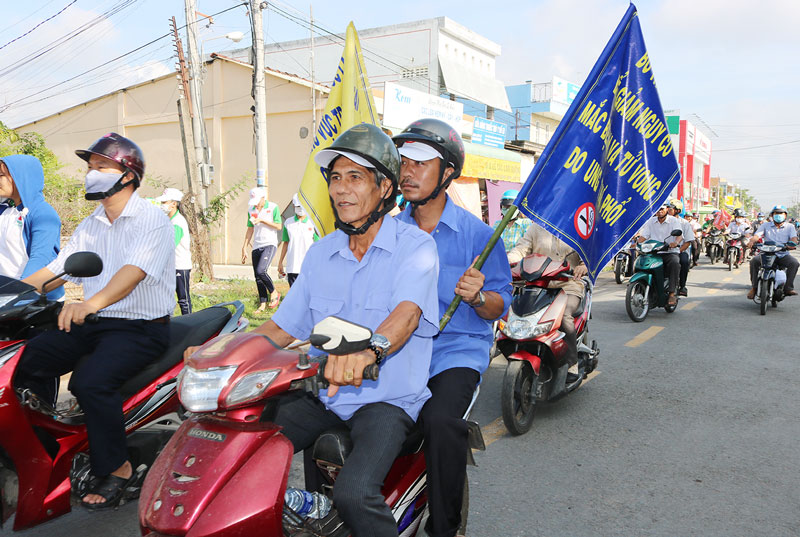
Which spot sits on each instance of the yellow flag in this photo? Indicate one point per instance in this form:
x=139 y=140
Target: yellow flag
x=349 y=103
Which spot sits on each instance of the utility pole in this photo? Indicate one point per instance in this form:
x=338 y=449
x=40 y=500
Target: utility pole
x=198 y=123
x=200 y=243
x=259 y=91
x=313 y=83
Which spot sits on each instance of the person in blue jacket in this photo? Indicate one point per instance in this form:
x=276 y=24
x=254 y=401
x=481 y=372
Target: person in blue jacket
x=30 y=229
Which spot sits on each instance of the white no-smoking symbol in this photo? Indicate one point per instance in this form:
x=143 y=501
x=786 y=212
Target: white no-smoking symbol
x=584 y=220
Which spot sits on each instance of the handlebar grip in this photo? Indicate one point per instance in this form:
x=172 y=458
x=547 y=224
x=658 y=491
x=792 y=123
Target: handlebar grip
x=371 y=372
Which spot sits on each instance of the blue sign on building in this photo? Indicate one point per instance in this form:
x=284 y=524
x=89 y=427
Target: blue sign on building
x=488 y=132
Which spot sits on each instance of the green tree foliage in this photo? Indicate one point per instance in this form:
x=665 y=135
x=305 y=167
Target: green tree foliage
x=64 y=193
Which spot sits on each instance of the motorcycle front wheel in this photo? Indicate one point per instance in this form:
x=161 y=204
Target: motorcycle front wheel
x=637 y=302
x=731 y=253
x=764 y=296
x=713 y=254
x=518 y=397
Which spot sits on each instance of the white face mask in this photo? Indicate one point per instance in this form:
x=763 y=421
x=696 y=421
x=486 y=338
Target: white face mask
x=166 y=207
x=299 y=211
x=98 y=182
x=739 y=220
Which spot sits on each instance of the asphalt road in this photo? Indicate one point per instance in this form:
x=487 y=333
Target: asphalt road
x=688 y=427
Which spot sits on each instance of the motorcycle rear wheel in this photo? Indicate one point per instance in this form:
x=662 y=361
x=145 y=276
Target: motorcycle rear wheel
x=764 y=296
x=518 y=397
x=637 y=303
x=618 y=270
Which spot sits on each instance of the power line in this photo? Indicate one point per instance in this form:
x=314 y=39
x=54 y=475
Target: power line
x=44 y=21
x=756 y=146
x=26 y=98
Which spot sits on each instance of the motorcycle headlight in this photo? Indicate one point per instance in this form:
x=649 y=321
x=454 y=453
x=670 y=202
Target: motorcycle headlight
x=251 y=387
x=200 y=388
x=646 y=248
x=525 y=327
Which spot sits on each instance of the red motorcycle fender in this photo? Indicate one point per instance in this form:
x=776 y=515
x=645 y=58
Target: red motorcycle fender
x=535 y=361
x=218 y=478
x=34 y=467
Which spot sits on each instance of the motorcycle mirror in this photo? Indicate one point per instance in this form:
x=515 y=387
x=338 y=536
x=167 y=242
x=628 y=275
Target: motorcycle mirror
x=78 y=265
x=337 y=336
x=676 y=233
x=791 y=243
x=83 y=265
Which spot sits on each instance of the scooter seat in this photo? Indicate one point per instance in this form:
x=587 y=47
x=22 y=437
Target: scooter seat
x=334 y=445
x=184 y=331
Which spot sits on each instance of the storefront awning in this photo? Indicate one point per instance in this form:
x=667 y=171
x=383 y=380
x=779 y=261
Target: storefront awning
x=484 y=162
x=468 y=84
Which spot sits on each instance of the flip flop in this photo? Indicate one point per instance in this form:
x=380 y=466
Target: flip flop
x=274 y=303
x=111 y=488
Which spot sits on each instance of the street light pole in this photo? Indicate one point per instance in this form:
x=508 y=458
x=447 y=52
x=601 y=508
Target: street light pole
x=259 y=91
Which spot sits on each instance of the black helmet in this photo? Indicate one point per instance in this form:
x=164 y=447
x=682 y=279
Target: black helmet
x=122 y=151
x=370 y=144
x=442 y=137
x=738 y=213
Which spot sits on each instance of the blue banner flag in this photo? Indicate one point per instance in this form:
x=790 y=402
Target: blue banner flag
x=610 y=163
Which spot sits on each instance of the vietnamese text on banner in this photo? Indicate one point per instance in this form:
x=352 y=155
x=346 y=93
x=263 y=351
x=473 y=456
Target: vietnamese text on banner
x=610 y=163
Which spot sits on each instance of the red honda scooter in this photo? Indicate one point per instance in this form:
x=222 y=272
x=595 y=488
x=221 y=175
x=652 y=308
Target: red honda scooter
x=530 y=339
x=42 y=449
x=225 y=472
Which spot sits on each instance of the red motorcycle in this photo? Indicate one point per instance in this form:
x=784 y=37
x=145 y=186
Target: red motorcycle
x=534 y=346
x=225 y=472
x=43 y=449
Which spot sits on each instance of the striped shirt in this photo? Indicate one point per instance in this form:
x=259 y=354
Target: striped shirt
x=142 y=236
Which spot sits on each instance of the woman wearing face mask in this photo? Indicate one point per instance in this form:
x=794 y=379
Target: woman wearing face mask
x=170 y=202
x=30 y=229
x=298 y=236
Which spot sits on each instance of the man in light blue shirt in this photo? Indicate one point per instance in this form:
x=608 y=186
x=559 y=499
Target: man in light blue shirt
x=779 y=232
x=380 y=273
x=432 y=156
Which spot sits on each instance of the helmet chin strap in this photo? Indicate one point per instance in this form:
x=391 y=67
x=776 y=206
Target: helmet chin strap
x=377 y=214
x=118 y=186
x=439 y=187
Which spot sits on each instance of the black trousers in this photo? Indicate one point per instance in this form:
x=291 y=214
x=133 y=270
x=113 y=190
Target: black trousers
x=115 y=350
x=787 y=262
x=446 y=445
x=672 y=270
x=262 y=257
x=695 y=251
x=182 y=279
x=378 y=431
x=685 y=264
x=291 y=277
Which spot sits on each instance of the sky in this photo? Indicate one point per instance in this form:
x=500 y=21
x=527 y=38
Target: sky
x=731 y=67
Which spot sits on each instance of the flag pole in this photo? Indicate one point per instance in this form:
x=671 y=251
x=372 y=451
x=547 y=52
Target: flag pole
x=512 y=211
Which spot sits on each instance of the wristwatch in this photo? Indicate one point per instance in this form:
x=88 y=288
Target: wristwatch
x=481 y=300
x=380 y=346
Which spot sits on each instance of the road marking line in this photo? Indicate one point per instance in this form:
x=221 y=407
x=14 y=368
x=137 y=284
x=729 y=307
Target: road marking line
x=644 y=336
x=690 y=305
x=712 y=291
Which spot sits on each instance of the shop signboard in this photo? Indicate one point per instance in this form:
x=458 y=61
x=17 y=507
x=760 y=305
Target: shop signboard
x=483 y=167
x=563 y=91
x=488 y=132
x=402 y=105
